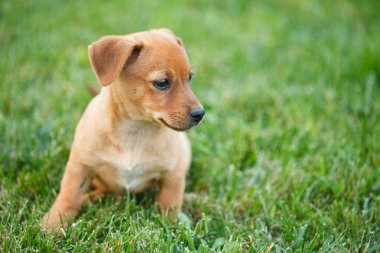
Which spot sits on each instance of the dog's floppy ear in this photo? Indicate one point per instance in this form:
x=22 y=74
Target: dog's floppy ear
x=109 y=55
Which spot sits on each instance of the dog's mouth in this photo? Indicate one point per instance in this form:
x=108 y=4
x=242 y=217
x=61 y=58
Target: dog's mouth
x=162 y=121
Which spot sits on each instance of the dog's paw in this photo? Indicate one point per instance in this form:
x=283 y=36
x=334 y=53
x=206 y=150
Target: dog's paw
x=50 y=224
x=55 y=222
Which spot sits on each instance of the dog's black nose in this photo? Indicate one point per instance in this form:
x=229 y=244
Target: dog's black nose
x=197 y=114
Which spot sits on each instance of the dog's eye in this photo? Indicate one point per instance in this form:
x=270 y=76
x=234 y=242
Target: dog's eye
x=191 y=76
x=162 y=84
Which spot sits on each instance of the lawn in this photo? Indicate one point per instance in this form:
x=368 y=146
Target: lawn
x=286 y=159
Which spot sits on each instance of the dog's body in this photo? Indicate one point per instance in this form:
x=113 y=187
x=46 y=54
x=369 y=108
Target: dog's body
x=127 y=138
x=128 y=155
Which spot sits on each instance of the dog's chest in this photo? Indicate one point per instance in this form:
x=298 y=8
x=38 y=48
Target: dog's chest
x=137 y=170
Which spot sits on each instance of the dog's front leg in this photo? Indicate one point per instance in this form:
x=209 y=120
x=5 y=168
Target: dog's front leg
x=172 y=187
x=74 y=185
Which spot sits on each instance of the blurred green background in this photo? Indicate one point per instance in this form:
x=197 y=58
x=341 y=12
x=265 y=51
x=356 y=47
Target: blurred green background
x=286 y=159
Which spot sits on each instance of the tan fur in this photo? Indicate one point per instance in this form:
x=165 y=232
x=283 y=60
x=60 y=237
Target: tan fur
x=126 y=138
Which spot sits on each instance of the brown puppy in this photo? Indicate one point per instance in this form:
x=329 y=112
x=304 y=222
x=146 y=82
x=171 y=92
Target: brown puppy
x=128 y=138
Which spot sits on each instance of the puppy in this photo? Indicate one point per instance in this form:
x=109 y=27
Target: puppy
x=130 y=136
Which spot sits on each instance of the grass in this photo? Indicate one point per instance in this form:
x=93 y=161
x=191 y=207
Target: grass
x=287 y=158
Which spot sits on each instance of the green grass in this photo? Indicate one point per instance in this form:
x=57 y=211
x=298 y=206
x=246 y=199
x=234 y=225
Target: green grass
x=287 y=158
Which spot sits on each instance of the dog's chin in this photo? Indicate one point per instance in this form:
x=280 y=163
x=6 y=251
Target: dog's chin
x=176 y=128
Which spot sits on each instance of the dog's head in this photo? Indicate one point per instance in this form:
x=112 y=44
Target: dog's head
x=149 y=74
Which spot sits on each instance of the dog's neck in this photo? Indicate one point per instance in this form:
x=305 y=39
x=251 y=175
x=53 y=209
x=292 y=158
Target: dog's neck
x=125 y=126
